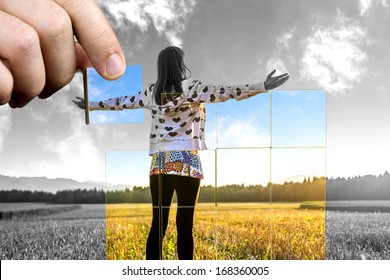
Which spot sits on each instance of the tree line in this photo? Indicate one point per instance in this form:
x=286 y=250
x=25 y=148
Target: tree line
x=367 y=187
x=307 y=190
x=84 y=196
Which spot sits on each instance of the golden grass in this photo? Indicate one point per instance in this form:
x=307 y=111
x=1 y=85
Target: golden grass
x=228 y=231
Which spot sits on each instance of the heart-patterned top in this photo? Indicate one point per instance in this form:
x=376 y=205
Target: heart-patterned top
x=179 y=123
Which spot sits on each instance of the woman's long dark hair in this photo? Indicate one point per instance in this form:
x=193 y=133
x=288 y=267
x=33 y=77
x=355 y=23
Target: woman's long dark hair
x=171 y=71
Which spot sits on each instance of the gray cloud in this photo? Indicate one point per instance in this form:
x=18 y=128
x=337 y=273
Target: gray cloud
x=169 y=17
x=365 y=5
x=333 y=56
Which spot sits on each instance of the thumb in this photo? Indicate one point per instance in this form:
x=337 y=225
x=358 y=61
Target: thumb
x=270 y=74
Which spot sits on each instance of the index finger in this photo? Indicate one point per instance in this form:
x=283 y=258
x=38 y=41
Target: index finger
x=282 y=75
x=96 y=36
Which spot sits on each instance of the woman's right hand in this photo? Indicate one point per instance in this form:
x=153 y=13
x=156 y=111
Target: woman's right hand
x=79 y=103
x=274 y=82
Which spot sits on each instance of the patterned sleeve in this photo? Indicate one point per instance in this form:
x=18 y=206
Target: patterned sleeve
x=138 y=100
x=200 y=93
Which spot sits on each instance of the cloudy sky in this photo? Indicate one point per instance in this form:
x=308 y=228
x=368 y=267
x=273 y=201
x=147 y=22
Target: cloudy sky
x=340 y=46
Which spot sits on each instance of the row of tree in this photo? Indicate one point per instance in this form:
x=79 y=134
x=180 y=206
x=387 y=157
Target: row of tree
x=287 y=192
x=307 y=190
x=367 y=187
x=61 y=197
x=357 y=188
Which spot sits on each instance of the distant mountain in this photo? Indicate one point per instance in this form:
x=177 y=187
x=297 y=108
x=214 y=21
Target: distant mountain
x=300 y=178
x=46 y=185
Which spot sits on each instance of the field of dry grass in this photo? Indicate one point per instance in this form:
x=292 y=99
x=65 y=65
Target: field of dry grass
x=357 y=236
x=229 y=231
x=65 y=233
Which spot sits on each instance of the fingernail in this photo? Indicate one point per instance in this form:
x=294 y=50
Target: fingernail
x=115 y=66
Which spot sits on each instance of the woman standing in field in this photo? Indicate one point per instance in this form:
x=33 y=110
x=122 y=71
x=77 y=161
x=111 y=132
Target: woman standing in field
x=177 y=132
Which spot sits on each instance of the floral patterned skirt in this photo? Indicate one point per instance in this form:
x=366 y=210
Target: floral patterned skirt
x=182 y=163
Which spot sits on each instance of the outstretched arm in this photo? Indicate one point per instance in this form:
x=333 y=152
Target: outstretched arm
x=219 y=93
x=138 y=100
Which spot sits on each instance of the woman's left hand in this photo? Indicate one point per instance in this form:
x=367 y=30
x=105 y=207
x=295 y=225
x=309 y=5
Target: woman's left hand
x=79 y=103
x=273 y=82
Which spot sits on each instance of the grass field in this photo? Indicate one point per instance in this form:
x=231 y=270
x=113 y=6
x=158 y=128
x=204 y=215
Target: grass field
x=382 y=206
x=357 y=235
x=73 y=234
x=228 y=231
x=358 y=230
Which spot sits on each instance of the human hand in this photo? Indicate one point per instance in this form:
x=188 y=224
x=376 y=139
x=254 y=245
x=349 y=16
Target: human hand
x=79 y=103
x=38 y=52
x=274 y=82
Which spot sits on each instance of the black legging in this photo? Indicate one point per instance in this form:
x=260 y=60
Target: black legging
x=187 y=189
